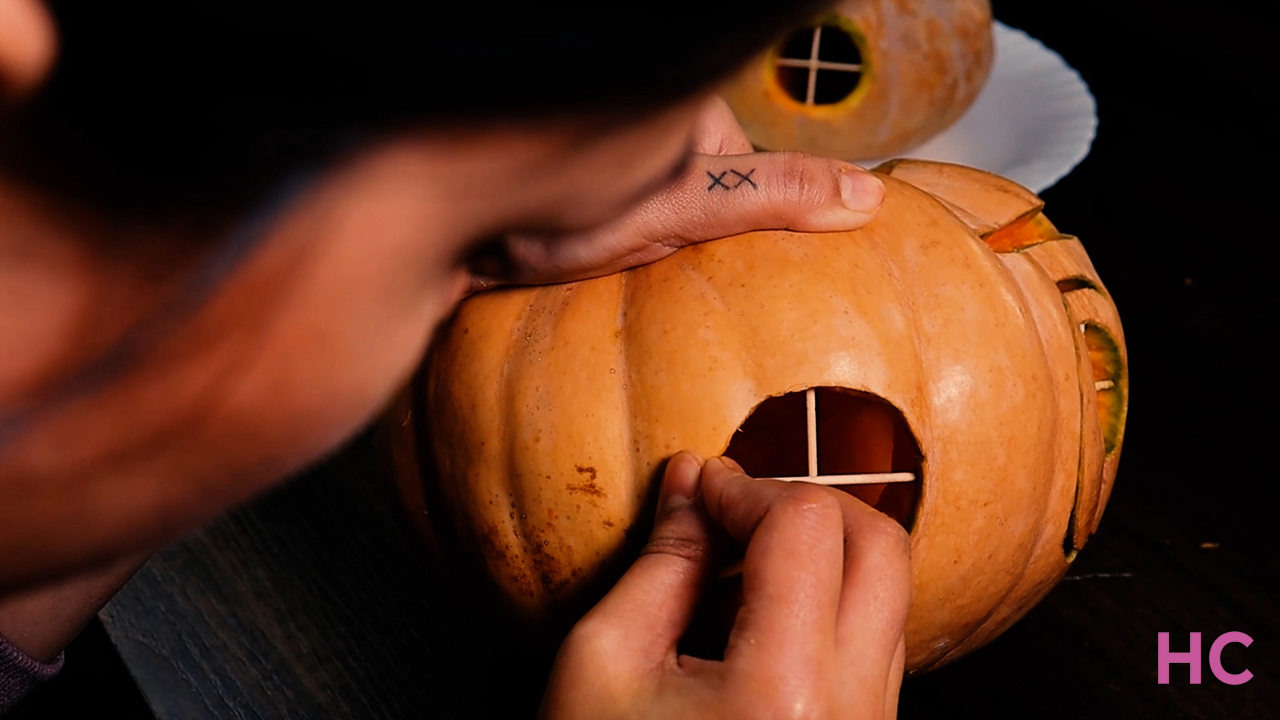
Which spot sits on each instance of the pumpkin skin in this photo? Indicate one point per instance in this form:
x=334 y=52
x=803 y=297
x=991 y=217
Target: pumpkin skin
x=924 y=62
x=553 y=409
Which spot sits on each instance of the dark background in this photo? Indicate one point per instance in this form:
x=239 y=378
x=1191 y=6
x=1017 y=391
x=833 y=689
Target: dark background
x=1175 y=204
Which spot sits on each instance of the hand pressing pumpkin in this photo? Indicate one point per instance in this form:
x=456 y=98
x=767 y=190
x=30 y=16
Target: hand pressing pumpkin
x=723 y=189
x=823 y=638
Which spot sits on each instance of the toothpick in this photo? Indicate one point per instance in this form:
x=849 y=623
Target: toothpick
x=856 y=479
x=811 y=421
x=811 y=89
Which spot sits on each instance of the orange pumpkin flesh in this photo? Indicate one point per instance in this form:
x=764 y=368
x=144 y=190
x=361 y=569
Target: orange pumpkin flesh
x=874 y=79
x=1000 y=378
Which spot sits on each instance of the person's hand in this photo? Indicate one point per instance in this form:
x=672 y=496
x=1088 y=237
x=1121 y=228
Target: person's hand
x=725 y=189
x=826 y=584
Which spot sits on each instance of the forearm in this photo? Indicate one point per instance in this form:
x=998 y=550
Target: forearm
x=41 y=621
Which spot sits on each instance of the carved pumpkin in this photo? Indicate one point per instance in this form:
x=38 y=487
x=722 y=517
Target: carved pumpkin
x=874 y=79
x=958 y=337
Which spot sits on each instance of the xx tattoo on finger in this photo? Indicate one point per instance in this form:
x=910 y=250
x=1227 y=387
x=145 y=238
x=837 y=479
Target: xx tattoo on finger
x=738 y=180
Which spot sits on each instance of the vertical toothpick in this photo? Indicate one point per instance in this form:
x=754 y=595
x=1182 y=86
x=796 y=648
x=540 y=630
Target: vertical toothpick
x=812 y=90
x=811 y=420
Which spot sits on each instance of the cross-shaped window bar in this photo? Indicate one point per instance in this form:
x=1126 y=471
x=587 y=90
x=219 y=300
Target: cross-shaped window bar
x=811 y=424
x=842 y=48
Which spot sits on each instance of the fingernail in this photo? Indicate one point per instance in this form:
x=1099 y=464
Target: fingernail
x=861 y=191
x=681 y=481
x=724 y=464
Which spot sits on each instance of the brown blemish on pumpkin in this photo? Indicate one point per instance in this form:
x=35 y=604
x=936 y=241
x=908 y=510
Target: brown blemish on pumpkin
x=607 y=523
x=503 y=556
x=589 y=486
x=552 y=559
x=535 y=562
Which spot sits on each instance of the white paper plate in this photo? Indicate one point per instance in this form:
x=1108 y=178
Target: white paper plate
x=1032 y=122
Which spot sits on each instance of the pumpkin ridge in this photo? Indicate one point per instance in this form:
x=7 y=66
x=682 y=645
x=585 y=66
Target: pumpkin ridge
x=517 y=553
x=753 y=370
x=1027 y=301
x=708 y=282
x=624 y=368
x=924 y=506
x=717 y=297
x=539 y=568
x=980 y=626
x=890 y=269
x=1046 y=279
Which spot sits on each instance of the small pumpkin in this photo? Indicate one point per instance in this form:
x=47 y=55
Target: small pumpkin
x=874 y=79
x=959 y=337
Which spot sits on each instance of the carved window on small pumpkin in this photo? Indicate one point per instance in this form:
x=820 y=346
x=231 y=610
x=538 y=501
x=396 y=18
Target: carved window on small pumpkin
x=853 y=441
x=820 y=65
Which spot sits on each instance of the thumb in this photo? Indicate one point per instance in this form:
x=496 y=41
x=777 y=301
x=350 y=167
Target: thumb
x=650 y=607
x=725 y=195
x=715 y=197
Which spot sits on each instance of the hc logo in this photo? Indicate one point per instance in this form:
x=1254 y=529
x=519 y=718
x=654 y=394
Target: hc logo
x=1165 y=658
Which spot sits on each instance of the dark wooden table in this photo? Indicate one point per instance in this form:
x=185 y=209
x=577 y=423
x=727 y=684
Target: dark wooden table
x=313 y=602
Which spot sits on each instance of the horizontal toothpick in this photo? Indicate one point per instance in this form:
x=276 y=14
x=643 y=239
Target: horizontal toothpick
x=858 y=479
x=819 y=64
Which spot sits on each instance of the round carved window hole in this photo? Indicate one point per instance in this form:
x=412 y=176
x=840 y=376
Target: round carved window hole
x=853 y=441
x=833 y=436
x=820 y=65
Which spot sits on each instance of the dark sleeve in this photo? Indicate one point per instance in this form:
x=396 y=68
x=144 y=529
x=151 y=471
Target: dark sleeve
x=20 y=673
